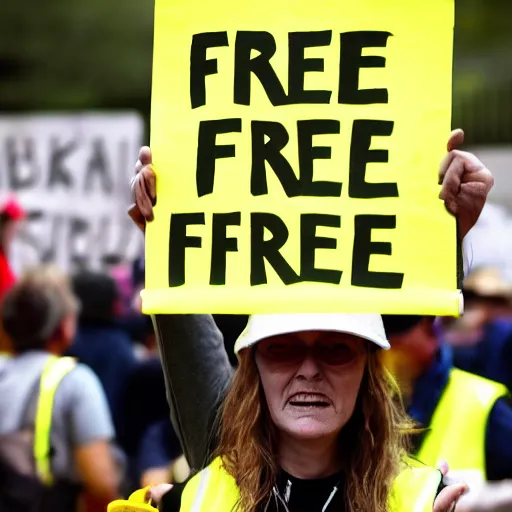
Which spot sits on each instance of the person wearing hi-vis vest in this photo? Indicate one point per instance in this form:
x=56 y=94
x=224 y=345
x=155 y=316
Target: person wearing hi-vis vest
x=310 y=421
x=468 y=419
x=55 y=426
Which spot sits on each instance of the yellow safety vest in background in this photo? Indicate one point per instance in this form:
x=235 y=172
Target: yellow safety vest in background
x=54 y=371
x=458 y=426
x=214 y=489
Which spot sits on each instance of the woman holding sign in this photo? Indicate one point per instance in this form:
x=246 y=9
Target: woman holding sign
x=310 y=422
x=196 y=340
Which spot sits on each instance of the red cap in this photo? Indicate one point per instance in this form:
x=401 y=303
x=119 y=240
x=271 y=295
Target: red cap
x=11 y=207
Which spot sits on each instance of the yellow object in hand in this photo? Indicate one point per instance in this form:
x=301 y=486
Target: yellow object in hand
x=137 y=502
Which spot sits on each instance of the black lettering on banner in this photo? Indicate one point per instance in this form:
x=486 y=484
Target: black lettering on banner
x=122 y=160
x=310 y=242
x=270 y=151
x=58 y=223
x=125 y=234
x=200 y=66
x=27 y=236
x=59 y=173
x=299 y=65
x=32 y=216
x=262 y=249
x=264 y=43
x=208 y=151
x=98 y=166
x=78 y=227
x=221 y=244
x=178 y=243
x=360 y=155
x=364 y=248
x=308 y=153
x=103 y=240
x=351 y=60
x=21 y=166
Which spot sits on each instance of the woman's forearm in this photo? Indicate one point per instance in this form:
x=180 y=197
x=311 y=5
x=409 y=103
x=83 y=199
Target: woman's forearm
x=197 y=371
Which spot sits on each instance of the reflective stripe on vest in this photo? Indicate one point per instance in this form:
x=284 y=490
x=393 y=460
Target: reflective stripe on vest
x=414 y=490
x=54 y=371
x=458 y=426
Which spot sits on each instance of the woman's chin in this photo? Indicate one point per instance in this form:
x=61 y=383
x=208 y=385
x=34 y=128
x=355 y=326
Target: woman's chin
x=310 y=429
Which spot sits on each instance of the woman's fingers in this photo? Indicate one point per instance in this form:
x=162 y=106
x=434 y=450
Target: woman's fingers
x=456 y=139
x=156 y=492
x=448 y=497
x=150 y=181
x=442 y=466
x=452 y=177
x=145 y=157
x=142 y=199
x=144 y=191
x=137 y=217
x=143 y=187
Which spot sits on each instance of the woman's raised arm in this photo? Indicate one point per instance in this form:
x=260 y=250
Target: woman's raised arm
x=195 y=363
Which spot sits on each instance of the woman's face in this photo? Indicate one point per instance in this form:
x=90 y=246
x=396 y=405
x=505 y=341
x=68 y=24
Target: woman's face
x=311 y=380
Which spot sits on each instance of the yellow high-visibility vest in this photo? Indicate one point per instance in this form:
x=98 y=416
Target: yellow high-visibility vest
x=458 y=426
x=414 y=490
x=54 y=371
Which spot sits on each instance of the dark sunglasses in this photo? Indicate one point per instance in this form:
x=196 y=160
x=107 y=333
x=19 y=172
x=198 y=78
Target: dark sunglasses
x=330 y=350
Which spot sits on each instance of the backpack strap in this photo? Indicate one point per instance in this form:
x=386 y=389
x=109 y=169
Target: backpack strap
x=54 y=371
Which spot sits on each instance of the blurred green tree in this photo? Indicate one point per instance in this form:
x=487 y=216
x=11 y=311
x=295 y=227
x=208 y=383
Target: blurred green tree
x=96 y=54
x=482 y=80
x=71 y=54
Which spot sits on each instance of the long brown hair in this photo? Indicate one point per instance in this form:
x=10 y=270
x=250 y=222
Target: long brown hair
x=373 y=441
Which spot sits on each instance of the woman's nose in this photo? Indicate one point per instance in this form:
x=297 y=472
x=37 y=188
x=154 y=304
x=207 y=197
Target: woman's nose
x=309 y=368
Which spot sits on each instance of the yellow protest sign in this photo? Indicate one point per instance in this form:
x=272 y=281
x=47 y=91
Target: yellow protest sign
x=296 y=146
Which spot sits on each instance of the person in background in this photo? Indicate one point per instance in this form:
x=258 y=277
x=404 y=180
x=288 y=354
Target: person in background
x=138 y=271
x=489 y=290
x=121 y=272
x=100 y=342
x=231 y=326
x=129 y=316
x=11 y=215
x=482 y=338
x=146 y=433
x=469 y=418
x=39 y=314
x=143 y=404
x=159 y=457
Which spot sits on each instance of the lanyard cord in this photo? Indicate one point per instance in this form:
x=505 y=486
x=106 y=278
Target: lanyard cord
x=331 y=496
x=286 y=499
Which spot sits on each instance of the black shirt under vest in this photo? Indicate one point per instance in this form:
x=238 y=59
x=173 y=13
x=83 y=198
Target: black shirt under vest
x=298 y=495
x=294 y=495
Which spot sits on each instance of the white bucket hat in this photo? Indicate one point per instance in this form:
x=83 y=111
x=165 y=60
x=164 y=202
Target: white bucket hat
x=260 y=327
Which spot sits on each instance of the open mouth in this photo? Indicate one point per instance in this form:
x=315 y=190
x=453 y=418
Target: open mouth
x=309 y=404
x=309 y=400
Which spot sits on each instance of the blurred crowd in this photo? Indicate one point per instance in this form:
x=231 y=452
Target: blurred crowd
x=117 y=403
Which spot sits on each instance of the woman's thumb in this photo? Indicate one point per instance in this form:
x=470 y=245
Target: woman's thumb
x=137 y=217
x=448 y=498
